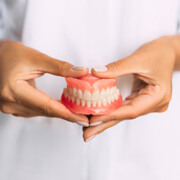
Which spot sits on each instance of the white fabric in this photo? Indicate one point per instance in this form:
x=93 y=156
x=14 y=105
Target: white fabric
x=90 y=33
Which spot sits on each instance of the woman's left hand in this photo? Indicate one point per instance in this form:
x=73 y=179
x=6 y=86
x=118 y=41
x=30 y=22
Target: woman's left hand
x=152 y=66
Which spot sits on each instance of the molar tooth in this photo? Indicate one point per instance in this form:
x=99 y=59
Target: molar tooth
x=102 y=94
x=88 y=103
x=104 y=101
x=99 y=103
x=65 y=93
x=87 y=95
x=94 y=103
x=82 y=102
x=74 y=92
x=71 y=91
x=117 y=91
x=95 y=95
x=69 y=97
x=77 y=101
x=79 y=94
x=73 y=99
x=116 y=96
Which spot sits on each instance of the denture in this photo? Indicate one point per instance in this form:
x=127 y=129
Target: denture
x=90 y=95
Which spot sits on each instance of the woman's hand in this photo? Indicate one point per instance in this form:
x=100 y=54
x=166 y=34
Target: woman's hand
x=19 y=66
x=152 y=66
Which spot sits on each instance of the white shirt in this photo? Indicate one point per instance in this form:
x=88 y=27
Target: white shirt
x=90 y=33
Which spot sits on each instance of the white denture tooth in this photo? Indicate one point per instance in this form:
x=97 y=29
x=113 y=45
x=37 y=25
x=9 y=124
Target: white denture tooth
x=77 y=101
x=107 y=92
x=111 y=91
x=104 y=101
x=114 y=89
x=95 y=95
x=65 y=93
x=117 y=91
x=69 y=97
x=116 y=96
x=94 y=103
x=109 y=100
x=99 y=103
x=87 y=95
x=88 y=103
x=79 y=94
x=71 y=91
x=83 y=102
x=102 y=94
x=74 y=92
x=112 y=98
x=73 y=99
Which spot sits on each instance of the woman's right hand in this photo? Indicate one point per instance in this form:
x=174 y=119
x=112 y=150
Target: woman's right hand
x=19 y=66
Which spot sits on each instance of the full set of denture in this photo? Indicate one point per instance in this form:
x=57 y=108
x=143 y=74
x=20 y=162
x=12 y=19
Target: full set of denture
x=94 y=99
x=91 y=95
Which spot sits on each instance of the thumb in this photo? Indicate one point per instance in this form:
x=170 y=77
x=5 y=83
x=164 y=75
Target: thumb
x=57 y=67
x=116 y=69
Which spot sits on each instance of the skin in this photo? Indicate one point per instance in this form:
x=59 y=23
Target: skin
x=151 y=92
x=152 y=66
x=19 y=67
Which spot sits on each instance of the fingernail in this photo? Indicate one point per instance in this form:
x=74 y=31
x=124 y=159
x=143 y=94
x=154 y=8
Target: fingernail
x=85 y=124
x=78 y=68
x=96 y=123
x=100 y=69
x=89 y=139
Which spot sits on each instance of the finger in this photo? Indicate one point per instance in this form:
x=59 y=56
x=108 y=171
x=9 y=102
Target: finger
x=140 y=105
x=117 y=69
x=19 y=110
x=50 y=65
x=90 y=132
x=39 y=101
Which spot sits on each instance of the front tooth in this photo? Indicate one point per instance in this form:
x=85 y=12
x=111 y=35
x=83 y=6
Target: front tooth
x=87 y=95
x=74 y=92
x=78 y=101
x=104 y=101
x=95 y=95
x=109 y=100
x=94 y=103
x=102 y=95
x=83 y=102
x=79 y=94
x=107 y=92
x=88 y=103
x=99 y=103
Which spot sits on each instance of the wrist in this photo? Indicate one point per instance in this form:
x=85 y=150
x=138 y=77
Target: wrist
x=173 y=43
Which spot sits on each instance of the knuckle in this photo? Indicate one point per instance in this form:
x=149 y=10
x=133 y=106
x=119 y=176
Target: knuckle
x=4 y=108
x=63 y=67
x=164 y=108
x=133 y=114
x=5 y=93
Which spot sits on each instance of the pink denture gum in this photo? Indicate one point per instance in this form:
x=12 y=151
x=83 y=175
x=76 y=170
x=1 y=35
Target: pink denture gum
x=90 y=95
